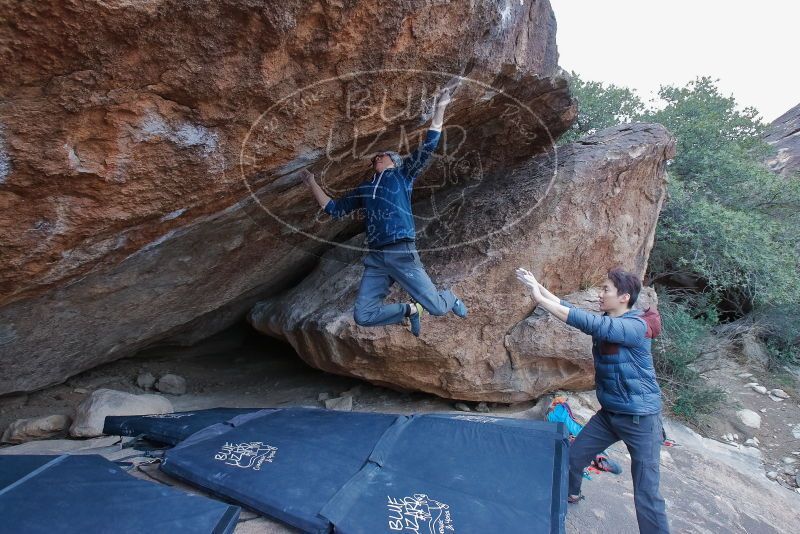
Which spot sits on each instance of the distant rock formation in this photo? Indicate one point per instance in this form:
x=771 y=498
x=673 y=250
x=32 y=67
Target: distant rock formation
x=784 y=135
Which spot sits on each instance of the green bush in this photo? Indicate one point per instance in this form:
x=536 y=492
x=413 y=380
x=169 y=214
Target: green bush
x=732 y=249
x=680 y=344
x=781 y=331
x=729 y=220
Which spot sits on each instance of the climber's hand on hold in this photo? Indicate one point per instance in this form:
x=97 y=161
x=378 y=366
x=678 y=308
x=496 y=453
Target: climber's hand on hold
x=443 y=98
x=308 y=177
x=319 y=195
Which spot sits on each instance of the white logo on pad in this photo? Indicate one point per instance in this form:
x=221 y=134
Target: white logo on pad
x=419 y=514
x=477 y=418
x=246 y=455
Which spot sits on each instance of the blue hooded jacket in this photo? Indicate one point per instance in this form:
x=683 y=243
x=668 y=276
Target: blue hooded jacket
x=386 y=198
x=623 y=364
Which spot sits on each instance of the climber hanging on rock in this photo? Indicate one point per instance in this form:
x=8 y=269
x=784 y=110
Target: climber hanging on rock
x=390 y=235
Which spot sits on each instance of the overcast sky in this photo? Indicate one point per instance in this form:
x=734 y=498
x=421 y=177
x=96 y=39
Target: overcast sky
x=752 y=47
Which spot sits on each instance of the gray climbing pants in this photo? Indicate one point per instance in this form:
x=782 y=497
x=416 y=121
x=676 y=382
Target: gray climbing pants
x=398 y=262
x=642 y=434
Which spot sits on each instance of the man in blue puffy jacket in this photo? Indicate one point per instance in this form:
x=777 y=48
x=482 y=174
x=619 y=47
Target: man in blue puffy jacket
x=627 y=390
x=390 y=235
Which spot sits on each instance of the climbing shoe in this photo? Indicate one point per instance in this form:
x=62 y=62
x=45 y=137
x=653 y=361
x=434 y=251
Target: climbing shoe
x=416 y=320
x=603 y=463
x=575 y=499
x=459 y=308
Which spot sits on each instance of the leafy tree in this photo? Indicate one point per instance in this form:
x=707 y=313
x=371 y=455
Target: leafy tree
x=600 y=106
x=729 y=221
x=721 y=150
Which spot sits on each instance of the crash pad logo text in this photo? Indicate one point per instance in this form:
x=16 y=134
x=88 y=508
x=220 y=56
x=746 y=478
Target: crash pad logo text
x=419 y=514
x=477 y=418
x=246 y=455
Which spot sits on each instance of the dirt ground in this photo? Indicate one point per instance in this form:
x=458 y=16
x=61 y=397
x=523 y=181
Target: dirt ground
x=777 y=436
x=709 y=485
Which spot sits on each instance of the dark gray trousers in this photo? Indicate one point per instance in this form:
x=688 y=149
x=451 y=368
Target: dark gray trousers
x=642 y=435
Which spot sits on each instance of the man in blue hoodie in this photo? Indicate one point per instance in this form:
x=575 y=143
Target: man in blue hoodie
x=627 y=389
x=390 y=235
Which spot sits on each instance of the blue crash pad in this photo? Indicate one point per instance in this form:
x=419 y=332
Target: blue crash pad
x=446 y=474
x=361 y=473
x=169 y=428
x=87 y=493
x=286 y=463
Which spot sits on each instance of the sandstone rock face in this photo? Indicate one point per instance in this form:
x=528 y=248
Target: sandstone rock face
x=90 y=415
x=149 y=150
x=567 y=218
x=784 y=134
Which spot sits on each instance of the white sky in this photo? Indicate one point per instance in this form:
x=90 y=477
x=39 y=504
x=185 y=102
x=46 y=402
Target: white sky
x=752 y=47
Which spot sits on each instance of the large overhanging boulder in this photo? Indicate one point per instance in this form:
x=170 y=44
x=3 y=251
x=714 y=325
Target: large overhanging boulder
x=567 y=216
x=149 y=150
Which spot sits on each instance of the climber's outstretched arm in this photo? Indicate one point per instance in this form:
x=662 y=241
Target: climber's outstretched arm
x=438 y=114
x=542 y=296
x=336 y=208
x=319 y=195
x=415 y=162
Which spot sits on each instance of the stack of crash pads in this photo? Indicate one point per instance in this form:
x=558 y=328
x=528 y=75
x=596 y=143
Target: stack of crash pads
x=367 y=473
x=170 y=428
x=285 y=463
x=87 y=493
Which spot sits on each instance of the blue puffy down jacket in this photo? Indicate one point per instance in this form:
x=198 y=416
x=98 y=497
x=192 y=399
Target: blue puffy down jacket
x=623 y=363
